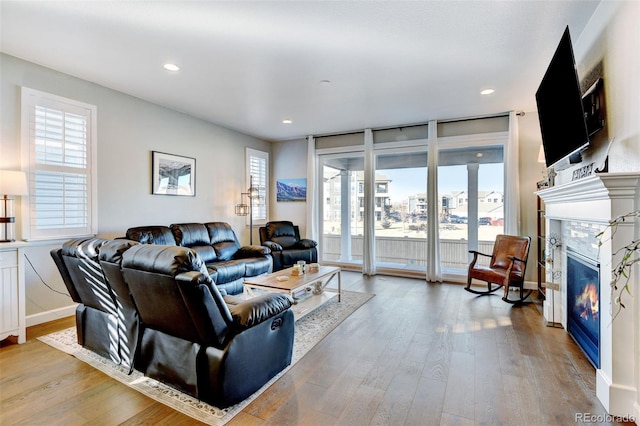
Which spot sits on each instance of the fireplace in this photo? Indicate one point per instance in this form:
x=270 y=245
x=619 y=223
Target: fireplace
x=583 y=304
x=577 y=211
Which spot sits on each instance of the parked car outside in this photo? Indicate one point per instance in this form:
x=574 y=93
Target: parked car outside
x=484 y=221
x=452 y=218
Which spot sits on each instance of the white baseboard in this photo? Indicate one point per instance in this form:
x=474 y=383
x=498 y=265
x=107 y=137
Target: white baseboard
x=52 y=315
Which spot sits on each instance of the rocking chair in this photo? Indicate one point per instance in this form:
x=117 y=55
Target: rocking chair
x=506 y=269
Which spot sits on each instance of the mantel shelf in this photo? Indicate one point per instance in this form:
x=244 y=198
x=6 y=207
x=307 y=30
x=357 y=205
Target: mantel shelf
x=601 y=186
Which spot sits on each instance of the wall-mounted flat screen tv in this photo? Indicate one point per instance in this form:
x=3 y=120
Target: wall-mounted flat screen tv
x=560 y=109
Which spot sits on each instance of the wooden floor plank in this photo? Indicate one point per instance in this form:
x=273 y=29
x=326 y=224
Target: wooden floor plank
x=415 y=354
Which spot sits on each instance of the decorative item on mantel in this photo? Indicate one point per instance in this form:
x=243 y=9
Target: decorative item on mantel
x=544 y=183
x=11 y=183
x=630 y=256
x=554 y=244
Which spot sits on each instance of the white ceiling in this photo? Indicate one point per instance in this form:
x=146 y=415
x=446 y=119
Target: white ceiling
x=247 y=65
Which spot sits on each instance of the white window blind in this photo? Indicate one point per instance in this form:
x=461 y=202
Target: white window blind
x=59 y=158
x=258 y=172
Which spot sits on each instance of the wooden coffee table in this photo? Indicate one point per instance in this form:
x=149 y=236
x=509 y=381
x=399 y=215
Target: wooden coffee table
x=283 y=282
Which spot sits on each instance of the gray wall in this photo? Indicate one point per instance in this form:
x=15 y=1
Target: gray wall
x=289 y=162
x=128 y=130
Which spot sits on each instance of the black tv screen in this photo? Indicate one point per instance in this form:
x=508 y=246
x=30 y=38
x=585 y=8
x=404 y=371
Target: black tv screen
x=560 y=110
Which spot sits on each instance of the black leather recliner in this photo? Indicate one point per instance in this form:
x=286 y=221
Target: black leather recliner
x=287 y=248
x=194 y=341
x=129 y=325
x=97 y=313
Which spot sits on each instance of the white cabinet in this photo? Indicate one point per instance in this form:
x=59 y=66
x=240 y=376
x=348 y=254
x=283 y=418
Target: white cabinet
x=12 y=293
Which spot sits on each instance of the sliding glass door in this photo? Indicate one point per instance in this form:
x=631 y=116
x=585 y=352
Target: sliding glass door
x=342 y=208
x=401 y=209
x=471 y=194
x=430 y=194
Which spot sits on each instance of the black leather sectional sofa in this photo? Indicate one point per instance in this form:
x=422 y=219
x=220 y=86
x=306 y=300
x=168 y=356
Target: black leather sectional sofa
x=216 y=243
x=158 y=308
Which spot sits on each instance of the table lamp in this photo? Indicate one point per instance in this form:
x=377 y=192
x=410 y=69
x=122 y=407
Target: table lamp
x=11 y=183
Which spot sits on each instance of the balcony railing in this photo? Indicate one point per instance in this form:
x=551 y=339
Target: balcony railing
x=404 y=251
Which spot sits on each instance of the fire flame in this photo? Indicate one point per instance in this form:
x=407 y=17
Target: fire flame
x=587 y=302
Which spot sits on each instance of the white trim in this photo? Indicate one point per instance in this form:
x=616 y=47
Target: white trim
x=254 y=153
x=52 y=315
x=30 y=98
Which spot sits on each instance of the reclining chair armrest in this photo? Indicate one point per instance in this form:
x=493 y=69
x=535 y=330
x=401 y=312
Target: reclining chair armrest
x=252 y=251
x=307 y=243
x=272 y=246
x=252 y=312
x=200 y=278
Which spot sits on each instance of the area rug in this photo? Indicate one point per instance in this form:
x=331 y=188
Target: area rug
x=310 y=330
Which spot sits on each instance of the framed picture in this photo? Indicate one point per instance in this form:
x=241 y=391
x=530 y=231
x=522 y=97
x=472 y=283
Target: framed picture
x=173 y=174
x=291 y=189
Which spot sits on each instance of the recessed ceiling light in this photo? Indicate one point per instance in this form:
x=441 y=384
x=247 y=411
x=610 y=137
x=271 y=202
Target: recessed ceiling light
x=479 y=155
x=286 y=121
x=171 y=67
x=487 y=91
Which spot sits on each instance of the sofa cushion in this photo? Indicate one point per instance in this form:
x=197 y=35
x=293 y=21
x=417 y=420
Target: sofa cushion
x=195 y=236
x=280 y=229
x=190 y=234
x=257 y=266
x=160 y=235
x=228 y=270
x=290 y=257
x=282 y=233
x=223 y=240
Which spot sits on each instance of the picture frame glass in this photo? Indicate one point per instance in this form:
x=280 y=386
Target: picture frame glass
x=173 y=174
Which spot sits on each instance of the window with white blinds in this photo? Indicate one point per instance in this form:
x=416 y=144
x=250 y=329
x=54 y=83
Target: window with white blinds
x=59 y=157
x=257 y=166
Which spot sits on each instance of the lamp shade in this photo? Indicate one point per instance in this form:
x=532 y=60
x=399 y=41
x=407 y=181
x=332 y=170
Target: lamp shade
x=13 y=183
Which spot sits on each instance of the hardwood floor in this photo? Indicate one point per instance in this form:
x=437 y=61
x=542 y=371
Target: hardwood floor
x=416 y=354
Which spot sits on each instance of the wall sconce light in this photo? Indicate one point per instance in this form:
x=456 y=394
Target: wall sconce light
x=11 y=183
x=247 y=209
x=242 y=209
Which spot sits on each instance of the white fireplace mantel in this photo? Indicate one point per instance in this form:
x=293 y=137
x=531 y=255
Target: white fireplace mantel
x=594 y=201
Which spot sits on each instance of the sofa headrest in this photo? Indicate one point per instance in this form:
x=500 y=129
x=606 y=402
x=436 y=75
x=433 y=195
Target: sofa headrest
x=167 y=260
x=280 y=229
x=112 y=251
x=190 y=234
x=160 y=235
x=220 y=232
x=84 y=248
